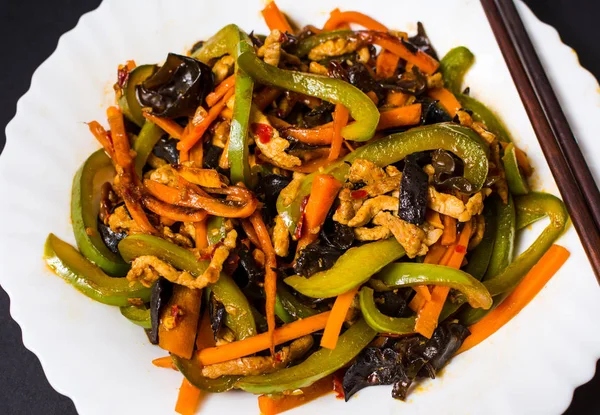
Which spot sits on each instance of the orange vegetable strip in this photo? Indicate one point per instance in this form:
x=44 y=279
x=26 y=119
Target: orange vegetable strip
x=102 y=136
x=400 y=117
x=447 y=100
x=449 y=235
x=165 y=362
x=226 y=114
x=270 y=275
x=197 y=131
x=422 y=60
x=205 y=337
x=119 y=137
x=373 y=96
x=434 y=218
x=396 y=98
x=201 y=237
x=273 y=405
x=318 y=136
x=434 y=256
x=247 y=227
x=340 y=119
x=531 y=285
x=173 y=212
x=336 y=318
x=386 y=64
x=275 y=19
x=220 y=90
x=427 y=316
x=423 y=291
x=262 y=341
x=197 y=154
x=336 y=18
x=184 y=155
x=323 y=192
x=168 y=126
x=188 y=398
x=266 y=97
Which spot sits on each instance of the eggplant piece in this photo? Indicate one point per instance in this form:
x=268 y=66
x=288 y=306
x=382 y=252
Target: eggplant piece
x=373 y=366
x=216 y=311
x=110 y=238
x=316 y=257
x=166 y=149
x=413 y=193
x=448 y=173
x=177 y=88
x=161 y=293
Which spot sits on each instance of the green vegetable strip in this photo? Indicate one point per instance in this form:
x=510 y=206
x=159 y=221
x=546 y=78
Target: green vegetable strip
x=454 y=66
x=379 y=321
x=483 y=114
x=292 y=305
x=233 y=41
x=362 y=109
x=479 y=259
x=353 y=268
x=307 y=44
x=504 y=244
x=516 y=181
x=318 y=365
x=144 y=143
x=137 y=315
x=89 y=279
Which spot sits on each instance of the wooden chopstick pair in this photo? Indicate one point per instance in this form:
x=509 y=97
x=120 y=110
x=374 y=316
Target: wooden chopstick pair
x=567 y=164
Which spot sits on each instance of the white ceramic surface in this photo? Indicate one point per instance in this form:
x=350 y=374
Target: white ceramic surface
x=92 y=354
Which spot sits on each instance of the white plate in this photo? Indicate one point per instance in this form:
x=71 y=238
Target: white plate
x=100 y=360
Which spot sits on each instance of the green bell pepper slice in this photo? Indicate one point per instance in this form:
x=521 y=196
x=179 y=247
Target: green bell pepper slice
x=504 y=244
x=225 y=289
x=362 y=109
x=351 y=269
x=128 y=102
x=379 y=321
x=517 y=183
x=144 y=144
x=292 y=305
x=480 y=258
x=215 y=229
x=95 y=171
x=88 y=278
x=235 y=42
x=462 y=141
x=407 y=274
x=484 y=115
x=192 y=370
x=307 y=44
x=137 y=315
x=454 y=65
x=318 y=365
x=528 y=217
x=281 y=312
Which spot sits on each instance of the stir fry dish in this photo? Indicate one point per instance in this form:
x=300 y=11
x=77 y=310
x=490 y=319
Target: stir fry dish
x=309 y=211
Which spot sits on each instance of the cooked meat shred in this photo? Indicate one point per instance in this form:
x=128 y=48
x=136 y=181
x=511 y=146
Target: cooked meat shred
x=223 y=68
x=411 y=237
x=281 y=237
x=333 y=47
x=271 y=50
x=273 y=150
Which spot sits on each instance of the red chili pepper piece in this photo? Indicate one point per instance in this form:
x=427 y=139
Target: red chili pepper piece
x=263 y=131
x=359 y=194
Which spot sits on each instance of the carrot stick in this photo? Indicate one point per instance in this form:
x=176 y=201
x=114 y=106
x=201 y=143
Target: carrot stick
x=201 y=238
x=168 y=126
x=226 y=113
x=336 y=318
x=340 y=119
x=188 y=398
x=318 y=136
x=119 y=137
x=262 y=341
x=531 y=285
x=434 y=256
x=449 y=235
x=396 y=98
x=447 y=100
x=183 y=313
x=250 y=233
x=220 y=90
x=270 y=285
x=196 y=133
x=205 y=337
x=427 y=316
x=275 y=19
x=197 y=154
x=434 y=219
x=274 y=404
x=422 y=60
x=103 y=137
x=184 y=155
x=322 y=195
x=172 y=212
x=165 y=362
x=266 y=97
x=337 y=18
x=386 y=64
x=423 y=292
x=400 y=117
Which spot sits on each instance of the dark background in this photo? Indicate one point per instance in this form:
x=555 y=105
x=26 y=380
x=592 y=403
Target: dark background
x=29 y=31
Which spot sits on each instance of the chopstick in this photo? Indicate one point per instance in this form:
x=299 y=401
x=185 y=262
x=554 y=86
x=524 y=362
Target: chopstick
x=567 y=164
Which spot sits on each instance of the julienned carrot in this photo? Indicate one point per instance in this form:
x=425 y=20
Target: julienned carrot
x=396 y=98
x=270 y=285
x=266 y=97
x=119 y=137
x=262 y=341
x=449 y=235
x=337 y=18
x=197 y=153
x=447 y=100
x=184 y=155
x=434 y=219
x=165 y=362
x=250 y=233
x=226 y=114
x=340 y=119
x=220 y=90
x=400 y=117
x=531 y=285
x=168 y=126
x=422 y=60
x=275 y=19
x=323 y=192
x=201 y=237
x=429 y=313
x=437 y=254
x=205 y=337
x=102 y=136
x=196 y=133
x=273 y=404
x=386 y=64
x=341 y=26
x=188 y=398
x=336 y=318
x=179 y=321
x=319 y=136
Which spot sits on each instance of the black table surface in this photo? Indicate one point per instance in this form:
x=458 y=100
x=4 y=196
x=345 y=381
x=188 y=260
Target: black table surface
x=29 y=31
